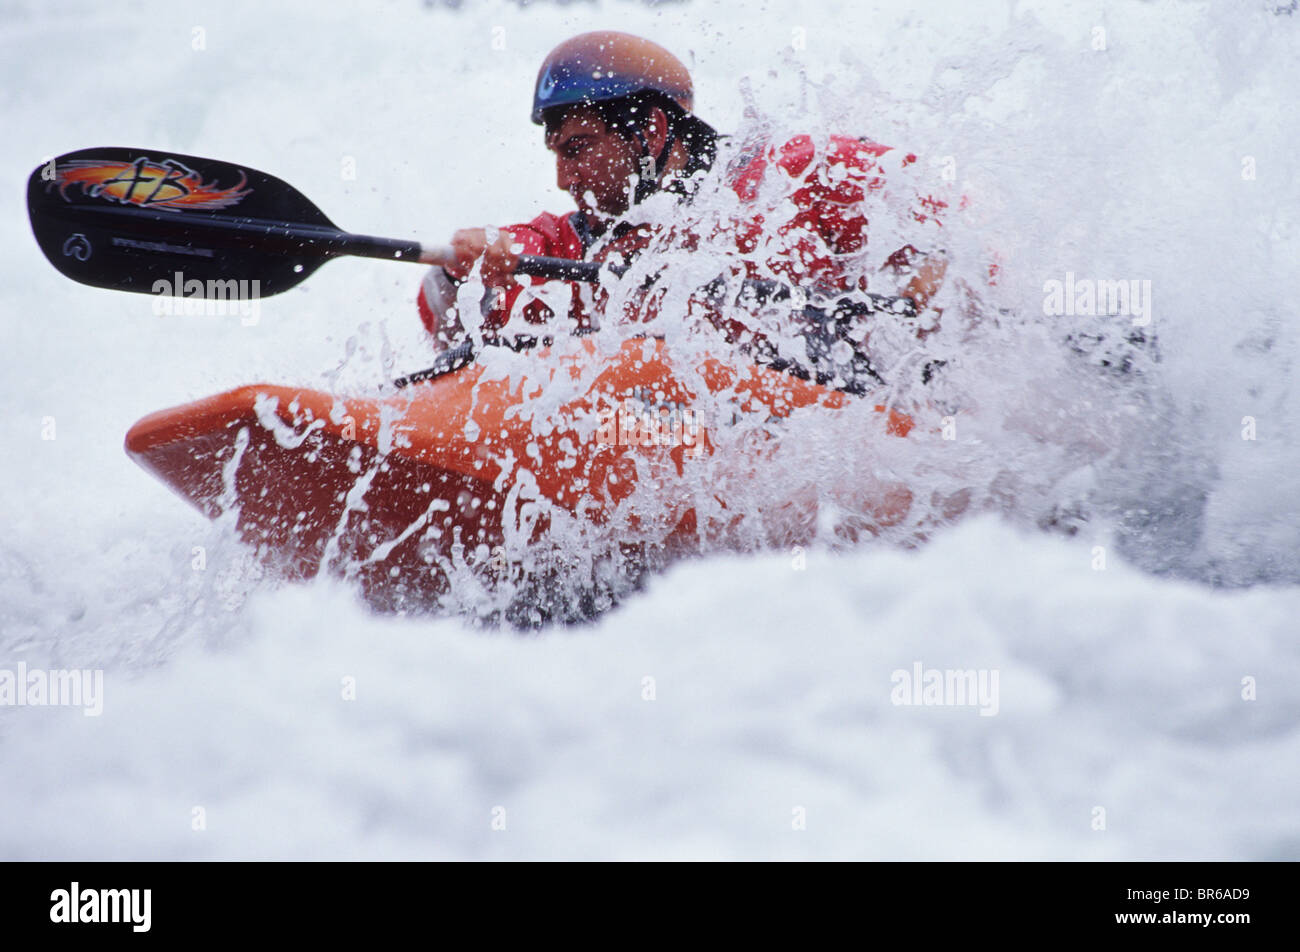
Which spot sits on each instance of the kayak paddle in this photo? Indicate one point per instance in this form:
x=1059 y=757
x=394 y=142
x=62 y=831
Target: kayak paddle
x=126 y=219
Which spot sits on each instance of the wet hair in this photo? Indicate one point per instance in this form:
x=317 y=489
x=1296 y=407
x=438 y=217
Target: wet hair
x=629 y=114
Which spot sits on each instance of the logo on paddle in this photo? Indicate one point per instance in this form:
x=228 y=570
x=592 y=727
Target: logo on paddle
x=146 y=183
x=77 y=246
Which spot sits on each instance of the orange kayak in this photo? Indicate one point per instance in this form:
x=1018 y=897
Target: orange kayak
x=468 y=472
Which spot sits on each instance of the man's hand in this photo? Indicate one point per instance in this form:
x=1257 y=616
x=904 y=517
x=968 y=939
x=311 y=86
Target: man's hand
x=499 y=261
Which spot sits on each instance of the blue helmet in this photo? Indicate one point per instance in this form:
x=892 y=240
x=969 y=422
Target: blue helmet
x=604 y=65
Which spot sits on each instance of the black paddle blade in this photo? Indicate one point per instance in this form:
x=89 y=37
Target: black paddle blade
x=156 y=222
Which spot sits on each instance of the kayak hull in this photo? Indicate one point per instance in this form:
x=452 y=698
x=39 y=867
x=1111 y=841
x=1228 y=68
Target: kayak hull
x=452 y=480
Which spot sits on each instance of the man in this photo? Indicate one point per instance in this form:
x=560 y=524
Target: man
x=618 y=114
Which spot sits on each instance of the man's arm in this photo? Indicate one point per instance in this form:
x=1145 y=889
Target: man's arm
x=499 y=260
x=499 y=249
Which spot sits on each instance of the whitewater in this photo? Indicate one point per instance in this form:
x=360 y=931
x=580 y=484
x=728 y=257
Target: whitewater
x=1123 y=565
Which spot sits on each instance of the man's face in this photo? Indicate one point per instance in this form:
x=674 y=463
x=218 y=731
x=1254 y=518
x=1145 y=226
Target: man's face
x=592 y=163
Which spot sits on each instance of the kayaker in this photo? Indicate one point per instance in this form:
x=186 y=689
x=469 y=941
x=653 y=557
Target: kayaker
x=618 y=112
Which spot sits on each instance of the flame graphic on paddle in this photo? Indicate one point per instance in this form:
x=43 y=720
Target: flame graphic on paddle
x=149 y=184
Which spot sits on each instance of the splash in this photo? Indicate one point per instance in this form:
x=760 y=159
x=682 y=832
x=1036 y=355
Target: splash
x=1107 y=356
